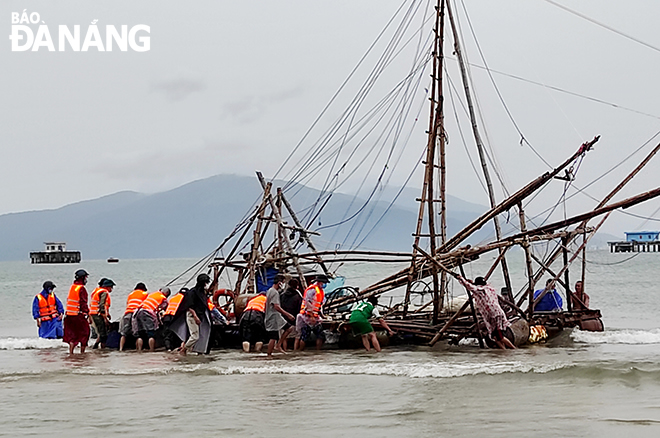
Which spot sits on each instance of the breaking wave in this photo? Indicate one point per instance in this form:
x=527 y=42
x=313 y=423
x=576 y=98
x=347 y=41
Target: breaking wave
x=30 y=343
x=631 y=337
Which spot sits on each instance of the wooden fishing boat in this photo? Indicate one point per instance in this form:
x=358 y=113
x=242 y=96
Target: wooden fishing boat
x=250 y=255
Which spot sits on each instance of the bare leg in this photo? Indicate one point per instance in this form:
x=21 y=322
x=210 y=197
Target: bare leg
x=138 y=344
x=83 y=346
x=365 y=342
x=374 y=340
x=152 y=344
x=122 y=341
x=71 y=347
x=271 y=347
x=508 y=343
x=246 y=346
x=319 y=343
x=301 y=344
x=257 y=346
x=282 y=344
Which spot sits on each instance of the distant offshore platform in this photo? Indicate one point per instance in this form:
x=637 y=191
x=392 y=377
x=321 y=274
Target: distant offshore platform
x=639 y=241
x=55 y=252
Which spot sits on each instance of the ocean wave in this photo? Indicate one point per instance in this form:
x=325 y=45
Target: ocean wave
x=631 y=337
x=30 y=343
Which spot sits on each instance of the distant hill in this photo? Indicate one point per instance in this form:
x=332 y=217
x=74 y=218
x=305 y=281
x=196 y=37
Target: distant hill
x=191 y=220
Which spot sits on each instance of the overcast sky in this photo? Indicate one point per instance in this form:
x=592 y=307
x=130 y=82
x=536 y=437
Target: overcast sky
x=232 y=86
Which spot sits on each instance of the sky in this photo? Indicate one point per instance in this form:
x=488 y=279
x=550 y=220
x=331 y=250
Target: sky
x=232 y=87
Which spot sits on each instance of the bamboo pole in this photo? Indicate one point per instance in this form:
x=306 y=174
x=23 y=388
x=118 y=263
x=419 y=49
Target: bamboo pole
x=256 y=239
x=477 y=139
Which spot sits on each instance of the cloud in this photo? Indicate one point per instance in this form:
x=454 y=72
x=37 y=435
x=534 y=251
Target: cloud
x=250 y=108
x=180 y=88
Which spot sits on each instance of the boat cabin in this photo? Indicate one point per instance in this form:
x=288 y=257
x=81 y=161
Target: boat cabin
x=642 y=236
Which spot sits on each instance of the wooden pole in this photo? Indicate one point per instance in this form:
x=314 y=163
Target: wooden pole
x=478 y=141
x=528 y=258
x=564 y=244
x=256 y=239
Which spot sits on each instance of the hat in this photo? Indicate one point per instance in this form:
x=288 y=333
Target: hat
x=141 y=286
x=106 y=282
x=322 y=278
x=203 y=278
x=165 y=290
x=49 y=285
x=80 y=273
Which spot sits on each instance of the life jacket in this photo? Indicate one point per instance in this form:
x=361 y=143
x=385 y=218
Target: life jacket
x=315 y=305
x=173 y=304
x=257 y=303
x=134 y=300
x=153 y=301
x=211 y=305
x=47 y=307
x=73 y=300
x=95 y=301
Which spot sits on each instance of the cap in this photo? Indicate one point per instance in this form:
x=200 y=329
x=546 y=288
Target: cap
x=141 y=286
x=81 y=273
x=203 y=278
x=106 y=282
x=49 y=285
x=322 y=278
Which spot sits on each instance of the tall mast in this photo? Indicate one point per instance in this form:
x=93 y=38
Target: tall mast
x=427 y=199
x=477 y=138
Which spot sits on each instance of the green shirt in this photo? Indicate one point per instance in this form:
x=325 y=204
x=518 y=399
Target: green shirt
x=363 y=312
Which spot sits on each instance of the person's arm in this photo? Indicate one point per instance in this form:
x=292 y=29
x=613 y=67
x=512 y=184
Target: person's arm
x=103 y=311
x=286 y=314
x=60 y=308
x=35 y=311
x=387 y=327
x=84 y=309
x=195 y=317
x=585 y=299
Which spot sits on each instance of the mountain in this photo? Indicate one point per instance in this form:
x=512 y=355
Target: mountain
x=191 y=220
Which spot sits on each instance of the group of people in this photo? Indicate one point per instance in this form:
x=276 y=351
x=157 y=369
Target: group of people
x=270 y=316
x=145 y=313
x=275 y=314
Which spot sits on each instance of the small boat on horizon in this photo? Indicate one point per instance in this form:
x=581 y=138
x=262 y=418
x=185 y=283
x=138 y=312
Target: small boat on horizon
x=113 y=260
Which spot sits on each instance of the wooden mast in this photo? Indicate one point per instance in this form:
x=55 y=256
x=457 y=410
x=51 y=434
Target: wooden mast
x=435 y=126
x=477 y=138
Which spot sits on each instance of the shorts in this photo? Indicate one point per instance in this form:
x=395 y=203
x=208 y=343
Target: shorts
x=125 y=328
x=275 y=334
x=101 y=327
x=252 y=326
x=144 y=324
x=307 y=330
x=361 y=327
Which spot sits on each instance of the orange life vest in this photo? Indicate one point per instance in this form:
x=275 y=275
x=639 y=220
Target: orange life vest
x=315 y=307
x=211 y=305
x=47 y=307
x=153 y=301
x=257 y=303
x=134 y=300
x=173 y=304
x=95 y=301
x=73 y=300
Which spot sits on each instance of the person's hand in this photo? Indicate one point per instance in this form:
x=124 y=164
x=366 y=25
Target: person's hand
x=198 y=321
x=38 y=322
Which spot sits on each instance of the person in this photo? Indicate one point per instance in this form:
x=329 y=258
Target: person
x=308 y=321
x=47 y=310
x=291 y=301
x=550 y=301
x=274 y=320
x=174 y=310
x=99 y=309
x=252 y=327
x=580 y=299
x=146 y=318
x=359 y=321
x=133 y=302
x=76 y=325
x=197 y=318
x=487 y=304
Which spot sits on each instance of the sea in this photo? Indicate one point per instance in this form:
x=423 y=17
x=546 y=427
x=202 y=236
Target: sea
x=579 y=384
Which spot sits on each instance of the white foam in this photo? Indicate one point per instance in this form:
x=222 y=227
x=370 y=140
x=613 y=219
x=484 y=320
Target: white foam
x=30 y=343
x=413 y=370
x=632 y=337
